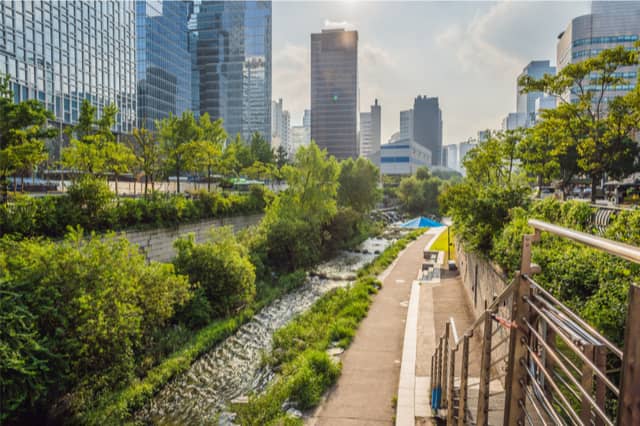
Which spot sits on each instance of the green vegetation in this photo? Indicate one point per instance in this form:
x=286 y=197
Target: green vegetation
x=23 y=129
x=592 y=135
x=90 y=204
x=92 y=330
x=418 y=194
x=299 y=349
x=75 y=314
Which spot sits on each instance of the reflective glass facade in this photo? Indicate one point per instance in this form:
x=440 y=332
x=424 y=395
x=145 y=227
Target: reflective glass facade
x=334 y=92
x=163 y=60
x=63 y=52
x=610 y=24
x=230 y=43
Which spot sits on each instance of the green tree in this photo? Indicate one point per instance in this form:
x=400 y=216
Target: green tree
x=23 y=128
x=418 y=194
x=282 y=157
x=90 y=149
x=119 y=159
x=359 y=185
x=175 y=133
x=205 y=154
x=148 y=155
x=603 y=143
x=312 y=185
x=260 y=149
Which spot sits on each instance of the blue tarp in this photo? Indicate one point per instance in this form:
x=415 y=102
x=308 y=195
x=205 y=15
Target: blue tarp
x=421 y=222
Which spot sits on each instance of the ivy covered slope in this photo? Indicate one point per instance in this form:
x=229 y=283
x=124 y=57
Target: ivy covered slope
x=305 y=370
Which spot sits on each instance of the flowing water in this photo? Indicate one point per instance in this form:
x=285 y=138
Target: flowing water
x=233 y=368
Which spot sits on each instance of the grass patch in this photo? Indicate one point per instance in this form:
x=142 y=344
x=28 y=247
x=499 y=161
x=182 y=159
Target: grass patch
x=441 y=244
x=299 y=348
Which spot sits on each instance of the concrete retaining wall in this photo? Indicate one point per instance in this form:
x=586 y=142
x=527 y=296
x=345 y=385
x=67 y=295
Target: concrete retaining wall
x=157 y=244
x=483 y=281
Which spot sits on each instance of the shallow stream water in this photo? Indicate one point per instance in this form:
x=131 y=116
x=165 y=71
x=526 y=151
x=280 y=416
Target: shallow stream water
x=233 y=368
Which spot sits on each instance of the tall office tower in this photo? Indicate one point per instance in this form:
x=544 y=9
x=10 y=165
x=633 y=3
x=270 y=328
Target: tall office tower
x=334 y=91
x=280 y=125
x=306 y=119
x=365 y=134
x=427 y=126
x=452 y=156
x=376 y=128
x=526 y=102
x=231 y=46
x=370 y=131
x=163 y=60
x=406 y=124
x=610 y=24
x=276 y=121
x=61 y=53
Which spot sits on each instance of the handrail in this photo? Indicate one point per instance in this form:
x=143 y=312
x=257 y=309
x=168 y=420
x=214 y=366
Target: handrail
x=622 y=250
x=454 y=331
x=613 y=348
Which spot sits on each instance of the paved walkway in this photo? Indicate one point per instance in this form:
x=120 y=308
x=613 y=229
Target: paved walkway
x=366 y=390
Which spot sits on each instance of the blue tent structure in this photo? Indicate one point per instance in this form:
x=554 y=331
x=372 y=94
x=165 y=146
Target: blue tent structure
x=421 y=222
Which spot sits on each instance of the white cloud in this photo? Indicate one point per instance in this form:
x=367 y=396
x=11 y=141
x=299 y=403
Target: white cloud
x=328 y=23
x=291 y=79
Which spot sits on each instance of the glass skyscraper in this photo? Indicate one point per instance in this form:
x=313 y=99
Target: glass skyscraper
x=334 y=92
x=163 y=60
x=610 y=24
x=230 y=43
x=64 y=52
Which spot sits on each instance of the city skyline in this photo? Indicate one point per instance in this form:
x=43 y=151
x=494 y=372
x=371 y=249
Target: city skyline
x=470 y=55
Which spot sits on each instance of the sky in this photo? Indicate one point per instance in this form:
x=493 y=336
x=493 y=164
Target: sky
x=468 y=54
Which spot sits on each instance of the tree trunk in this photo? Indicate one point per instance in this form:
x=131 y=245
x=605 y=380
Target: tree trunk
x=146 y=182
x=539 y=186
x=209 y=179
x=178 y=179
x=15 y=183
x=22 y=182
x=594 y=185
x=116 y=179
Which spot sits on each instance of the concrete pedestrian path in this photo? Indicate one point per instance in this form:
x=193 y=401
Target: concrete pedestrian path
x=366 y=392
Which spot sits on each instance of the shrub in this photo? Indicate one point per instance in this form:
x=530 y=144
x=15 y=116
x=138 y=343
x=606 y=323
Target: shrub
x=86 y=305
x=221 y=267
x=480 y=212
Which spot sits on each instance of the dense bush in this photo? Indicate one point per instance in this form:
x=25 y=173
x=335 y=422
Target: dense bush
x=220 y=269
x=480 y=212
x=74 y=315
x=91 y=205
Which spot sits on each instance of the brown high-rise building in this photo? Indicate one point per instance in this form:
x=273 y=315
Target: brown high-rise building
x=334 y=92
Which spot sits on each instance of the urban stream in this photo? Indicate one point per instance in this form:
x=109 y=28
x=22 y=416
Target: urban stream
x=233 y=368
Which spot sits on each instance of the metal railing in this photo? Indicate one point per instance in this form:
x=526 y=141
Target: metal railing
x=552 y=367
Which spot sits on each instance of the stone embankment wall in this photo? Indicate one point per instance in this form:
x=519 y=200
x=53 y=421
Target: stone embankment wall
x=483 y=281
x=157 y=244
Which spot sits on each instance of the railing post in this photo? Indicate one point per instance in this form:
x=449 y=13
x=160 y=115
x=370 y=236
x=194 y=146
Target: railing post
x=600 y=360
x=485 y=373
x=445 y=370
x=450 y=389
x=629 y=402
x=432 y=378
x=464 y=374
x=587 y=383
x=516 y=379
